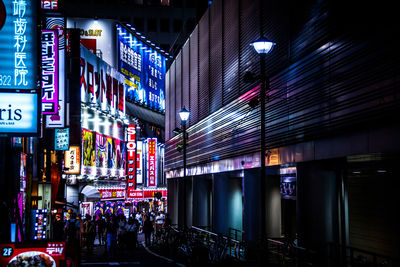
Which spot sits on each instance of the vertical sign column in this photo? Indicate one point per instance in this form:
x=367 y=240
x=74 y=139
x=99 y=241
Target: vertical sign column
x=131 y=159
x=152 y=167
x=49 y=72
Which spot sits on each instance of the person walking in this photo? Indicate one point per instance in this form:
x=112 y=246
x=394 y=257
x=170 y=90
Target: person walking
x=147 y=229
x=111 y=233
x=58 y=229
x=131 y=234
x=72 y=229
x=100 y=230
x=90 y=230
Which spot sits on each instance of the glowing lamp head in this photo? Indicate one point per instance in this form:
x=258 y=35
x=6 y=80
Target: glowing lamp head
x=184 y=114
x=263 y=46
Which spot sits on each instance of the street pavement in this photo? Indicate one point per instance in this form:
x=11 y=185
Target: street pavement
x=141 y=256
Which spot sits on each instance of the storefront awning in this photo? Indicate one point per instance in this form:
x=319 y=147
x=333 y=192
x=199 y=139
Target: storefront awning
x=90 y=192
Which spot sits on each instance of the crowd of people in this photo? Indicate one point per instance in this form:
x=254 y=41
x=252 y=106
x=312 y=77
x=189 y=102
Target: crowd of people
x=111 y=231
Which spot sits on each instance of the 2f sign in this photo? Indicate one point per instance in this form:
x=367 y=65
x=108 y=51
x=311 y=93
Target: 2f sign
x=50 y=4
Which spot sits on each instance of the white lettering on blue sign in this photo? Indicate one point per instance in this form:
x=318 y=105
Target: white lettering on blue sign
x=20 y=69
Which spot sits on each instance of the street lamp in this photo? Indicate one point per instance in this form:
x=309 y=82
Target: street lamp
x=184 y=115
x=263 y=47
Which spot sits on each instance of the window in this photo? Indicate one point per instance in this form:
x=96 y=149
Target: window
x=164 y=25
x=177 y=25
x=152 y=25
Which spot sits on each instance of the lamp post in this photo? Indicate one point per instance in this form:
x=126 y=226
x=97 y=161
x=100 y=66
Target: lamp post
x=184 y=115
x=262 y=47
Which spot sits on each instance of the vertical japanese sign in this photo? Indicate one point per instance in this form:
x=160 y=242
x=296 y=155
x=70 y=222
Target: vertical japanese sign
x=61 y=139
x=58 y=119
x=18 y=44
x=152 y=163
x=144 y=69
x=49 y=42
x=72 y=160
x=131 y=158
x=139 y=156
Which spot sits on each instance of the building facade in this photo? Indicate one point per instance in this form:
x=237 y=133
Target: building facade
x=331 y=126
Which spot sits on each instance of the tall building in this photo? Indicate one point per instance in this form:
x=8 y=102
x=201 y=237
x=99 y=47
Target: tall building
x=331 y=129
x=167 y=23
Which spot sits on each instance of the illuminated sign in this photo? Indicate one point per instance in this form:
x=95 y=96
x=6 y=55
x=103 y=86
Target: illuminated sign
x=112 y=193
x=18 y=113
x=143 y=68
x=49 y=4
x=97 y=35
x=49 y=72
x=147 y=193
x=152 y=162
x=102 y=155
x=101 y=85
x=58 y=120
x=18 y=44
x=61 y=139
x=139 y=157
x=51 y=253
x=72 y=160
x=131 y=157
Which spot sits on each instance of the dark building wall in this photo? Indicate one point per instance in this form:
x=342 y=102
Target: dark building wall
x=325 y=78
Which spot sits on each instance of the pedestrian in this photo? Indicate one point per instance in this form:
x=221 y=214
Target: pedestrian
x=159 y=224
x=121 y=236
x=58 y=229
x=147 y=229
x=131 y=234
x=90 y=231
x=72 y=229
x=100 y=230
x=111 y=233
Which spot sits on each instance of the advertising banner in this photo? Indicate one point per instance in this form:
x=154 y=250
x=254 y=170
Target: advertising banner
x=101 y=85
x=147 y=193
x=139 y=164
x=58 y=120
x=143 y=68
x=131 y=158
x=49 y=50
x=72 y=160
x=152 y=162
x=18 y=61
x=19 y=114
x=43 y=254
x=97 y=35
x=108 y=194
x=61 y=139
x=102 y=155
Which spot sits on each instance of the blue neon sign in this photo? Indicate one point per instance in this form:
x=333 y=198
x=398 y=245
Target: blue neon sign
x=144 y=70
x=18 y=45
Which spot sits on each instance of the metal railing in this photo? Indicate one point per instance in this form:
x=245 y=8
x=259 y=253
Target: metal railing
x=345 y=256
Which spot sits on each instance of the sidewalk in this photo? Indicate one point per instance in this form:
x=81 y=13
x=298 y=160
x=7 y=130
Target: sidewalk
x=141 y=256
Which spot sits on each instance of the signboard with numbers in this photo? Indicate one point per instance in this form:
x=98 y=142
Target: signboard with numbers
x=18 y=60
x=48 y=253
x=144 y=70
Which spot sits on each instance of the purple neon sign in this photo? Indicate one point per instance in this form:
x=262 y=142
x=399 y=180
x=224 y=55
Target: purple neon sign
x=49 y=72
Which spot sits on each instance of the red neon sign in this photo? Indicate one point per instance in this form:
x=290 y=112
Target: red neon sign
x=152 y=170
x=131 y=158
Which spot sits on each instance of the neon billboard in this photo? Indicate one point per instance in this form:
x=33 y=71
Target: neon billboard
x=143 y=68
x=18 y=45
x=49 y=42
x=152 y=161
